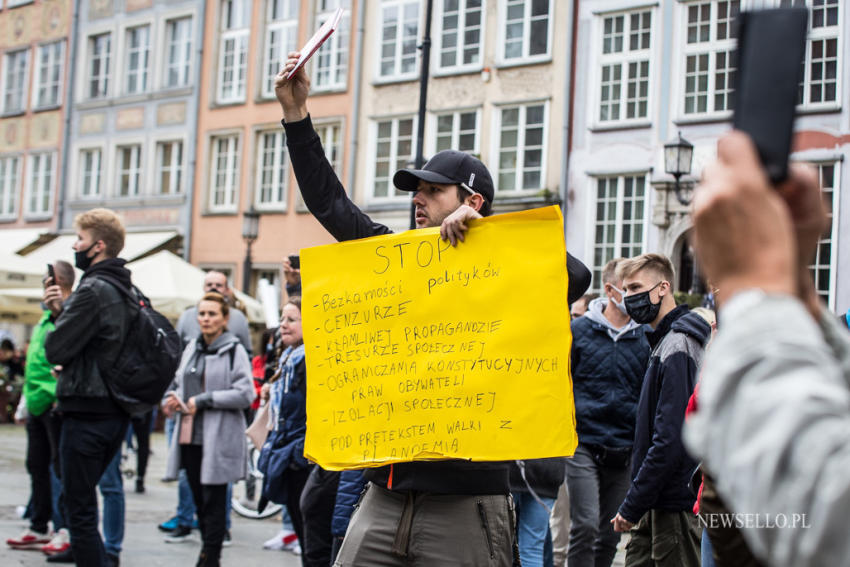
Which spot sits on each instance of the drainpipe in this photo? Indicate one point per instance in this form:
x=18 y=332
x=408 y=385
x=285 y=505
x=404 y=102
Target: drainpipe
x=69 y=101
x=186 y=213
x=355 y=103
x=570 y=89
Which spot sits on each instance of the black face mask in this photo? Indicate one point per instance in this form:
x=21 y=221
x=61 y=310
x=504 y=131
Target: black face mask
x=640 y=308
x=81 y=259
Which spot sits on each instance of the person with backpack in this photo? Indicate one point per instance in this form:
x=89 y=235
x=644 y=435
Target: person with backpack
x=211 y=389
x=90 y=330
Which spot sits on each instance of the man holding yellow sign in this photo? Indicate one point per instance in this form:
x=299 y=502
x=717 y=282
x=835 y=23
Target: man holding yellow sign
x=441 y=512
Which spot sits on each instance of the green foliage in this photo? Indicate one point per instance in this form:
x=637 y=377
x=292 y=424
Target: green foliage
x=691 y=299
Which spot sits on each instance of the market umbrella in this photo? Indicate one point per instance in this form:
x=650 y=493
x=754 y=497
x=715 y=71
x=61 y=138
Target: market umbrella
x=21 y=305
x=19 y=272
x=173 y=285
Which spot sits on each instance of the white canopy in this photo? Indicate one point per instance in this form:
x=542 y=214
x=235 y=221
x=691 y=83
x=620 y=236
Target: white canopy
x=135 y=244
x=18 y=271
x=173 y=285
x=21 y=305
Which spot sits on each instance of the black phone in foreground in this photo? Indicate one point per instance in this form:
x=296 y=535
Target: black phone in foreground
x=771 y=50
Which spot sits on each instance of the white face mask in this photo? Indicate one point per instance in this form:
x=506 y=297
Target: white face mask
x=621 y=305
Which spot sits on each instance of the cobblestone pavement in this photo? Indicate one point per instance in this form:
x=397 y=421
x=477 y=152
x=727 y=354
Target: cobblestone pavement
x=143 y=544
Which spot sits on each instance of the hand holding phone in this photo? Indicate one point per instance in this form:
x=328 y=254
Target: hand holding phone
x=51 y=275
x=183 y=408
x=295 y=261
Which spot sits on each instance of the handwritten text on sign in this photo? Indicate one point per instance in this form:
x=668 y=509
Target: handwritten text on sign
x=418 y=350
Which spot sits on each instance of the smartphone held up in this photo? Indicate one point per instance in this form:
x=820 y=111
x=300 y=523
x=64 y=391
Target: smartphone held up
x=771 y=50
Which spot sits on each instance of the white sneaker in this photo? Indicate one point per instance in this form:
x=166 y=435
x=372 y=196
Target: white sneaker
x=275 y=543
x=60 y=543
x=294 y=548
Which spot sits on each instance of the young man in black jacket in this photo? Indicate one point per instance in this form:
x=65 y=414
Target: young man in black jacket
x=90 y=329
x=658 y=506
x=436 y=513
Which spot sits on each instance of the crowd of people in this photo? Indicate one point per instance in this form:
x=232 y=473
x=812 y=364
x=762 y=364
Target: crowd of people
x=658 y=457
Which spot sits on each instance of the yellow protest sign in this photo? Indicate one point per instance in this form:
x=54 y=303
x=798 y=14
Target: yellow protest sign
x=417 y=350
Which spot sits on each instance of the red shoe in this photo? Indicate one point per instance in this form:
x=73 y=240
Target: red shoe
x=61 y=542
x=29 y=539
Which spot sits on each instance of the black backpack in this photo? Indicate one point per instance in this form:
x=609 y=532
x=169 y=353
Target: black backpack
x=148 y=359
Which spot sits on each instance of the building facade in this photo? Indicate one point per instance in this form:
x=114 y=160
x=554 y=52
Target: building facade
x=497 y=89
x=34 y=55
x=647 y=71
x=134 y=113
x=242 y=162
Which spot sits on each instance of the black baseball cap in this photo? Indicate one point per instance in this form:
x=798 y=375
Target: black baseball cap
x=449 y=167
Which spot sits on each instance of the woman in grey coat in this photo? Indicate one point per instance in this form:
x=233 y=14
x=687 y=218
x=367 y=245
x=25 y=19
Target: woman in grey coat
x=212 y=387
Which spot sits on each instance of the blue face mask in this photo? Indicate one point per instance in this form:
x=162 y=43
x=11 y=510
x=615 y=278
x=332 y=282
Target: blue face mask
x=621 y=305
x=640 y=308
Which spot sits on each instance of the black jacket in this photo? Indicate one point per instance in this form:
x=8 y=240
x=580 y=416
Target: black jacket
x=607 y=376
x=543 y=476
x=661 y=469
x=87 y=339
x=325 y=197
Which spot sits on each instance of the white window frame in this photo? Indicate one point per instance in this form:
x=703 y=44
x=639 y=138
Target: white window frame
x=285 y=28
x=10 y=185
x=525 y=58
x=833 y=233
x=824 y=33
x=55 y=65
x=239 y=34
x=325 y=131
x=141 y=72
x=460 y=45
x=17 y=85
x=454 y=144
x=396 y=74
x=134 y=172
x=36 y=187
x=624 y=59
x=279 y=171
x=230 y=190
x=103 y=78
x=393 y=159
x=183 y=45
x=618 y=224
x=520 y=148
x=98 y=171
x=176 y=167
x=712 y=48
x=335 y=49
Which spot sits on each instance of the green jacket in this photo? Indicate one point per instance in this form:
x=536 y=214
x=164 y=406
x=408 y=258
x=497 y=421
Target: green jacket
x=39 y=384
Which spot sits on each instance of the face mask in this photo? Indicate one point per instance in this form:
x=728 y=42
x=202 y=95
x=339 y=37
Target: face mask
x=81 y=259
x=640 y=308
x=621 y=305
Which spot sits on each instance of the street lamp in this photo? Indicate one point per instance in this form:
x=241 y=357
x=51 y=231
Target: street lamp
x=678 y=155
x=250 y=229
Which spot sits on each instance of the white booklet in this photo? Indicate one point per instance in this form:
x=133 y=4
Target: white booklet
x=317 y=40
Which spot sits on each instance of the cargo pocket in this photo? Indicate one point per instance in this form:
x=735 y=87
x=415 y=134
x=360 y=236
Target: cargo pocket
x=664 y=550
x=485 y=526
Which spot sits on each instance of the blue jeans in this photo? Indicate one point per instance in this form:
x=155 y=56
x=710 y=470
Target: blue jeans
x=56 y=495
x=111 y=487
x=706 y=550
x=185 y=503
x=532 y=527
